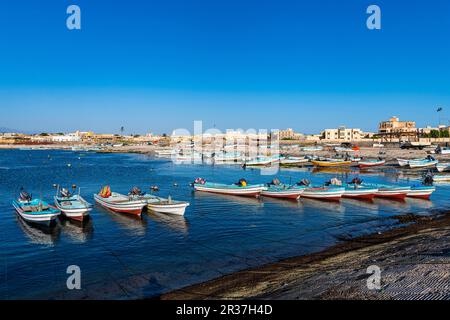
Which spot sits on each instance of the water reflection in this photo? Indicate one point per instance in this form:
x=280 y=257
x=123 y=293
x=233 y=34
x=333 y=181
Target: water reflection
x=39 y=234
x=322 y=205
x=174 y=222
x=130 y=222
x=420 y=203
x=200 y=196
x=78 y=231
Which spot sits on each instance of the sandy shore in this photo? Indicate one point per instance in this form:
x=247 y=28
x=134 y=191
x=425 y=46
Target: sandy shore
x=414 y=263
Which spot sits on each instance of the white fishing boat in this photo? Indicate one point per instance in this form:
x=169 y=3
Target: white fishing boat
x=167 y=206
x=324 y=193
x=230 y=189
x=441 y=167
x=441 y=178
x=118 y=202
x=425 y=163
x=421 y=192
x=72 y=206
x=35 y=210
x=293 y=160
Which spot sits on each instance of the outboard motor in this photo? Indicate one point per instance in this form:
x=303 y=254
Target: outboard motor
x=304 y=182
x=428 y=179
x=275 y=182
x=65 y=193
x=356 y=180
x=135 y=191
x=25 y=196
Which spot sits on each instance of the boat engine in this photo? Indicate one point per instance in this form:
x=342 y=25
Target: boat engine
x=65 y=193
x=25 y=196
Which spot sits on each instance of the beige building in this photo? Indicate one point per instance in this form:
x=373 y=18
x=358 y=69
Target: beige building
x=289 y=134
x=395 y=126
x=342 y=134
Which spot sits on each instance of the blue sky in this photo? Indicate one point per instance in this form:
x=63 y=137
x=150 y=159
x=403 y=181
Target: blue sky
x=160 y=65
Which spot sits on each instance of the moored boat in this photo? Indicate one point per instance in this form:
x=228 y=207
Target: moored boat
x=324 y=193
x=119 y=203
x=35 y=210
x=293 y=160
x=72 y=206
x=283 y=191
x=371 y=163
x=331 y=163
x=422 y=192
x=441 y=167
x=441 y=178
x=163 y=205
x=424 y=163
x=239 y=189
x=392 y=192
x=357 y=191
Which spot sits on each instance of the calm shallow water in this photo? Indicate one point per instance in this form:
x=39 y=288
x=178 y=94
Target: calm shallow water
x=122 y=257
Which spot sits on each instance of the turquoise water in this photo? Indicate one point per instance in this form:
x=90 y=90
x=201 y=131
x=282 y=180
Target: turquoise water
x=122 y=257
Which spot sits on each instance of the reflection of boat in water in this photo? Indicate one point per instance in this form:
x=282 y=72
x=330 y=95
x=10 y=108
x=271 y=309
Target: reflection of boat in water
x=362 y=203
x=420 y=203
x=392 y=202
x=174 y=222
x=230 y=199
x=131 y=222
x=39 y=234
x=334 y=206
x=76 y=230
x=333 y=170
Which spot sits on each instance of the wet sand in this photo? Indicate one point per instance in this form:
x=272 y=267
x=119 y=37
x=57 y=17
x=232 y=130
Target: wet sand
x=413 y=259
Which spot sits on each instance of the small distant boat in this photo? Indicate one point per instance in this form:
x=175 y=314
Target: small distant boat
x=359 y=191
x=72 y=206
x=393 y=192
x=293 y=160
x=330 y=163
x=35 y=210
x=283 y=191
x=119 y=203
x=230 y=189
x=442 y=150
x=371 y=163
x=404 y=162
x=324 y=193
x=441 y=178
x=424 y=163
x=441 y=167
x=422 y=192
x=312 y=149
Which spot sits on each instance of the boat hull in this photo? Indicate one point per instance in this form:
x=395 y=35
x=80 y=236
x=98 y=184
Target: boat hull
x=363 y=164
x=360 y=194
x=176 y=209
x=282 y=194
x=245 y=192
x=331 y=163
x=421 y=193
x=323 y=194
x=41 y=219
x=130 y=207
x=392 y=194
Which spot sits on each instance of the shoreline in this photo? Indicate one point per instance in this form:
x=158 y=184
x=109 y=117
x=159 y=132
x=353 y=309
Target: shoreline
x=339 y=272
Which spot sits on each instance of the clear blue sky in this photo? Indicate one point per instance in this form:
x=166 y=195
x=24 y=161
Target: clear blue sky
x=160 y=65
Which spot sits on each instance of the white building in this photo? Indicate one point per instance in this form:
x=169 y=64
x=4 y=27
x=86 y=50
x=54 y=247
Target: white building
x=66 y=138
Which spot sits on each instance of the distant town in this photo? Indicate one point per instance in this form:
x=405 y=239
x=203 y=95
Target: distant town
x=391 y=130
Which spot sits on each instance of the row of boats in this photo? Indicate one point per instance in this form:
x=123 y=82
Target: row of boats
x=333 y=190
x=75 y=207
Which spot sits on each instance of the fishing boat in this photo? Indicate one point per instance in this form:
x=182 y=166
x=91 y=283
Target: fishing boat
x=230 y=189
x=441 y=178
x=167 y=206
x=324 y=193
x=118 y=202
x=35 y=210
x=422 y=192
x=72 y=206
x=404 y=162
x=331 y=163
x=424 y=163
x=283 y=191
x=312 y=149
x=441 y=167
x=293 y=160
x=371 y=163
x=393 y=192
x=259 y=161
x=357 y=191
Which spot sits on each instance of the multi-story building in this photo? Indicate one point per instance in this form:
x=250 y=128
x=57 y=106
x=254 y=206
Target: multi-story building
x=289 y=134
x=342 y=134
x=395 y=126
